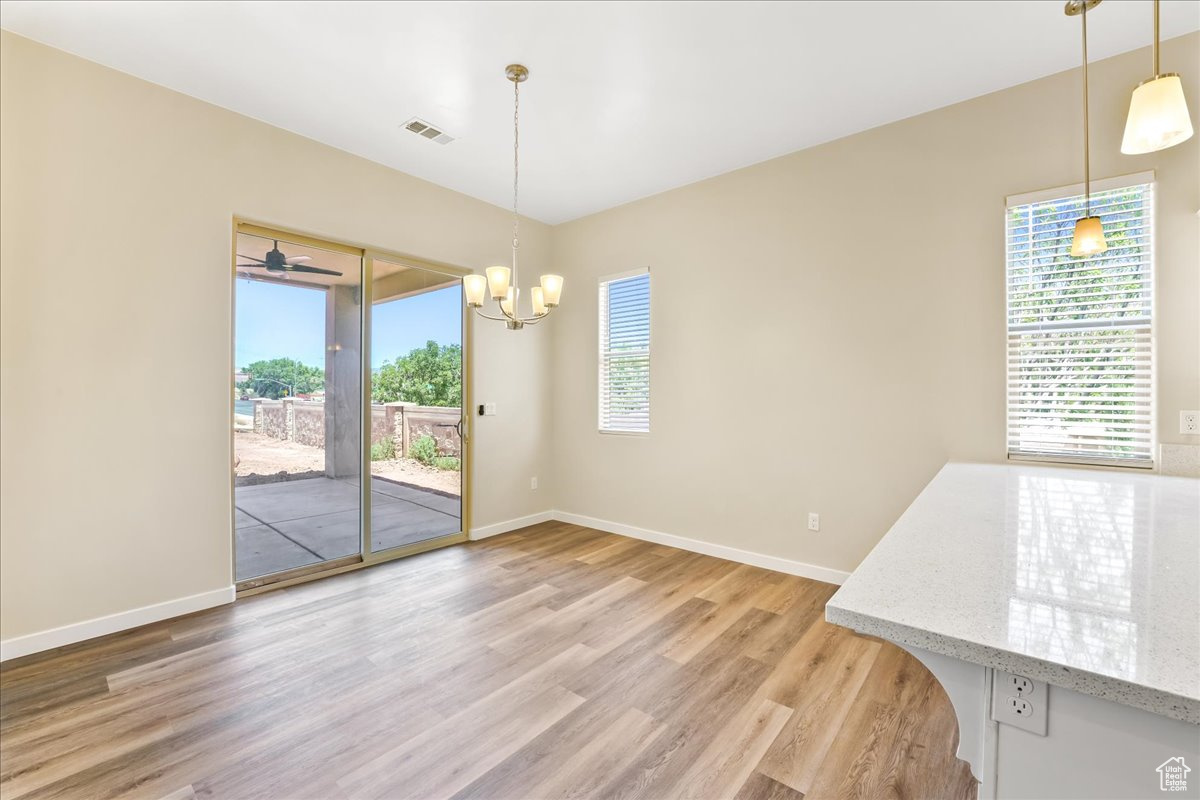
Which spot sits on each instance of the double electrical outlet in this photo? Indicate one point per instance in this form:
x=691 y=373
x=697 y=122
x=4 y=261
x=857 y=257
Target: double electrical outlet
x=1019 y=701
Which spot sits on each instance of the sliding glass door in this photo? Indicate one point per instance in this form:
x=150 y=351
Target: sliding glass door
x=298 y=334
x=317 y=405
x=417 y=452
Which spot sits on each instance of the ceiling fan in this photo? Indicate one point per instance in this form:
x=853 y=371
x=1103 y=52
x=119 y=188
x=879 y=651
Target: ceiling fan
x=278 y=262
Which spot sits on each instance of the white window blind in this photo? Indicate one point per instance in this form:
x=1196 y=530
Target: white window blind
x=1080 y=383
x=625 y=353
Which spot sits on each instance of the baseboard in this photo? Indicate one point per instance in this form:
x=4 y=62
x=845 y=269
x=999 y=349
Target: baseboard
x=89 y=629
x=787 y=565
x=509 y=525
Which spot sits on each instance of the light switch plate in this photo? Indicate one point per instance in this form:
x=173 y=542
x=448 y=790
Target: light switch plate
x=1020 y=702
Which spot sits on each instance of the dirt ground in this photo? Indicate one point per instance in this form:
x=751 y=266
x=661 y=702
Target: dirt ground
x=406 y=470
x=261 y=456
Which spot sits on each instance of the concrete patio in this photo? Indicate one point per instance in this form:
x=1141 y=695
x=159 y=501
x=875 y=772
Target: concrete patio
x=281 y=526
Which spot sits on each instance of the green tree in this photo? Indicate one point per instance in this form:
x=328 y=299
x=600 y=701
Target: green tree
x=428 y=376
x=278 y=377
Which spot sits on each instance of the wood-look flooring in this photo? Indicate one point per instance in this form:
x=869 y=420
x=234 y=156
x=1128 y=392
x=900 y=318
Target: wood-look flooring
x=552 y=662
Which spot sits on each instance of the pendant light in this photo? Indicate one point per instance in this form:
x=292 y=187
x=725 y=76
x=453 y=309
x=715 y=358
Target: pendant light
x=501 y=282
x=1158 y=113
x=1089 y=231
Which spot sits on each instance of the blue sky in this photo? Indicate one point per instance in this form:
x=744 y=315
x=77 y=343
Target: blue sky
x=289 y=321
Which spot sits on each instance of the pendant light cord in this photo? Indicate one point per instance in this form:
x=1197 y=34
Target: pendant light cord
x=1087 y=161
x=1155 y=51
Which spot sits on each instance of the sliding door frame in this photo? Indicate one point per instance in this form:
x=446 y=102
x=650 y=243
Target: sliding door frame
x=370 y=256
x=365 y=558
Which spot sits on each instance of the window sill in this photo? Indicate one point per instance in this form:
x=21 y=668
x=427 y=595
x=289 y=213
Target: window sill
x=1082 y=461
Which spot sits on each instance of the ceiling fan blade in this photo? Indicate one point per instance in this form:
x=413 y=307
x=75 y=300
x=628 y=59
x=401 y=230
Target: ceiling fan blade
x=313 y=270
x=297 y=259
x=252 y=258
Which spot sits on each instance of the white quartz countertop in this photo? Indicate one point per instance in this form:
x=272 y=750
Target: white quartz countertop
x=1085 y=579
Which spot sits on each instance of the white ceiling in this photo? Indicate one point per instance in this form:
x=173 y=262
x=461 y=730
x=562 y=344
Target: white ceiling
x=624 y=99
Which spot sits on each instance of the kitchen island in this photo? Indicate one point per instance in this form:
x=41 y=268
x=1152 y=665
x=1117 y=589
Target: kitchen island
x=1060 y=610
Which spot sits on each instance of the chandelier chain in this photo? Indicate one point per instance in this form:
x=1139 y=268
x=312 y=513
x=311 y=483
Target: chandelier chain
x=516 y=156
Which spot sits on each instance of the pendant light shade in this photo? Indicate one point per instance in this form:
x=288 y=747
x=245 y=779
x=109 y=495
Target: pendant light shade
x=1158 y=116
x=552 y=289
x=1089 y=238
x=512 y=296
x=1158 y=113
x=498 y=278
x=475 y=287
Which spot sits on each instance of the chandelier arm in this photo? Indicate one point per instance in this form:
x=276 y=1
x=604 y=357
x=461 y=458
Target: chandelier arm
x=489 y=316
x=536 y=320
x=523 y=320
x=507 y=315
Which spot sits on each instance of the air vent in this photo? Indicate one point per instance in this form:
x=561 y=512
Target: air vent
x=427 y=131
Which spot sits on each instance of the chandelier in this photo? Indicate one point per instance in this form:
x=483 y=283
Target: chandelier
x=502 y=282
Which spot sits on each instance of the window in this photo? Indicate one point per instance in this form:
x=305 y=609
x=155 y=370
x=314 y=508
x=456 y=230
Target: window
x=625 y=352
x=1080 y=386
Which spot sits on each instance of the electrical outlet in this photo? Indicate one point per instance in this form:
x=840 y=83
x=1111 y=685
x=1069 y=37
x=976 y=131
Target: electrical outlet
x=1189 y=422
x=1020 y=702
x=1019 y=685
x=1020 y=706
x=814 y=521
x=533 y=482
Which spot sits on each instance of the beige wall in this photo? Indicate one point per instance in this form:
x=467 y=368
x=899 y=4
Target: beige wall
x=851 y=296
x=805 y=289
x=117 y=197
